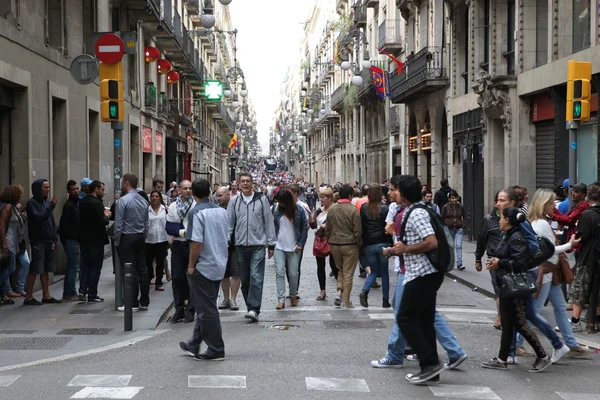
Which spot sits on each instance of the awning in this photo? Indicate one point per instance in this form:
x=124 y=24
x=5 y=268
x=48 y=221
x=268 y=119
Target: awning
x=214 y=168
x=200 y=172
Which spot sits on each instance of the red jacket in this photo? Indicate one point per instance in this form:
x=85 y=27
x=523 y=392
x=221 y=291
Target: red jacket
x=570 y=218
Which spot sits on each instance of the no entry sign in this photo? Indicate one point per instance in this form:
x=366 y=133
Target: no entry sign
x=109 y=48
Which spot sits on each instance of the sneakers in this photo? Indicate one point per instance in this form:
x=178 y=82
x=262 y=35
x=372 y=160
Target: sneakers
x=426 y=374
x=576 y=327
x=363 y=296
x=31 y=302
x=82 y=297
x=560 y=353
x=375 y=285
x=578 y=351
x=207 y=357
x=135 y=309
x=252 y=316
x=96 y=300
x=494 y=363
x=143 y=308
x=338 y=301
x=225 y=304
x=512 y=360
x=348 y=305
x=386 y=303
x=412 y=357
x=233 y=305
x=186 y=349
x=540 y=364
x=521 y=352
x=451 y=364
x=460 y=267
x=386 y=363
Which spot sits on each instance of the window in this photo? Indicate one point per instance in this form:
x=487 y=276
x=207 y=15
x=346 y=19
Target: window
x=510 y=40
x=541 y=33
x=90 y=23
x=465 y=49
x=486 y=36
x=581 y=25
x=54 y=24
x=10 y=10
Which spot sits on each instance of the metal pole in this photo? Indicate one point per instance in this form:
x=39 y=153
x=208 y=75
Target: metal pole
x=117 y=128
x=572 y=126
x=118 y=270
x=130 y=276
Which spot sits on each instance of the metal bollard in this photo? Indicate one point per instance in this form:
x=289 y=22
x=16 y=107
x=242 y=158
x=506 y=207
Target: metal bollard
x=130 y=277
x=118 y=271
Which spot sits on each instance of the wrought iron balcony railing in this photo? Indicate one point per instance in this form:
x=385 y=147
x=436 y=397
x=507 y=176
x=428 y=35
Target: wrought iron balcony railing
x=423 y=73
x=150 y=95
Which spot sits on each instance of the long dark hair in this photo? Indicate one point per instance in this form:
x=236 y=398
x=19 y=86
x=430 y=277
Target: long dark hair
x=159 y=196
x=514 y=215
x=374 y=194
x=287 y=204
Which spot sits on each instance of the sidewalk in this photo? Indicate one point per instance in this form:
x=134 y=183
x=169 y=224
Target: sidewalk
x=481 y=282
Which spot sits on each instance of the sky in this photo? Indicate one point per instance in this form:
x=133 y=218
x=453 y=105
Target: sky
x=270 y=32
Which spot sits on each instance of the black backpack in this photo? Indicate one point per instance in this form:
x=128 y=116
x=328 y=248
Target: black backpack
x=442 y=257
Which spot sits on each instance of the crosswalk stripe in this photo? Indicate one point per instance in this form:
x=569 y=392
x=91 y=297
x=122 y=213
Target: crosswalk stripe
x=107 y=392
x=578 y=396
x=464 y=392
x=7 y=380
x=100 y=380
x=337 y=384
x=217 y=381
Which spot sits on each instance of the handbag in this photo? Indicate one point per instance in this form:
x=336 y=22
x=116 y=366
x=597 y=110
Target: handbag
x=321 y=247
x=517 y=284
x=565 y=269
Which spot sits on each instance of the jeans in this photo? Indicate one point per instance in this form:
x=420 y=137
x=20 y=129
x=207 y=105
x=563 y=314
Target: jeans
x=131 y=250
x=534 y=317
x=555 y=294
x=208 y=324
x=251 y=262
x=286 y=263
x=73 y=258
x=457 y=235
x=92 y=255
x=379 y=267
x=180 y=255
x=416 y=317
x=23 y=261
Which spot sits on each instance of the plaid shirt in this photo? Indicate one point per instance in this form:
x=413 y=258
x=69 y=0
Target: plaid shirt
x=418 y=227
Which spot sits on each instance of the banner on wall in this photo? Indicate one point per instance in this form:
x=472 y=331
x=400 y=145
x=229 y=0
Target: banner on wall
x=158 y=140
x=146 y=139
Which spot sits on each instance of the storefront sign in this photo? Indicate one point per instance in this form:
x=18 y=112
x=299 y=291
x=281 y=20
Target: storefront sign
x=542 y=107
x=146 y=139
x=158 y=140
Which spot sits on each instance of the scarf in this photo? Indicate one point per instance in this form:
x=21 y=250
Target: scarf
x=183 y=207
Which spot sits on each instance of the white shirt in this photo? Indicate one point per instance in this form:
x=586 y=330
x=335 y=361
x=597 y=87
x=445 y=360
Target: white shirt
x=247 y=199
x=173 y=216
x=286 y=240
x=156 y=226
x=542 y=228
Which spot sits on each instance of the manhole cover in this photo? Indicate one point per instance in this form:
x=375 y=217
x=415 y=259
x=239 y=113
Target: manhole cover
x=86 y=311
x=37 y=343
x=333 y=324
x=283 y=327
x=17 y=332
x=85 y=331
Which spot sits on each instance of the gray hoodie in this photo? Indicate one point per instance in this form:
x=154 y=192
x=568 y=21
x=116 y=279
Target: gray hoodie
x=251 y=224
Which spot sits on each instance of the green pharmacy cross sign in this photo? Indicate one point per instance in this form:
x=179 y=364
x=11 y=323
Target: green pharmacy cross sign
x=213 y=90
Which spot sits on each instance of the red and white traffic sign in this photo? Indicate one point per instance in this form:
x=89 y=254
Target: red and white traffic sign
x=109 y=48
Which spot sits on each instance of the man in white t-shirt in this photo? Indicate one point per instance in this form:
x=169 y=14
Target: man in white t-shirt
x=295 y=189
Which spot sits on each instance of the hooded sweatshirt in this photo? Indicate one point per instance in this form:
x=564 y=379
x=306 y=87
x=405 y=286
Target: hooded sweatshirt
x=441 y=196
x=40 y=220
x=251 y=224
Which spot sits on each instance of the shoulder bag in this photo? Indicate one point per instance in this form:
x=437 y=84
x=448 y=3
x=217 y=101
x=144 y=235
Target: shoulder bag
x=517 y=284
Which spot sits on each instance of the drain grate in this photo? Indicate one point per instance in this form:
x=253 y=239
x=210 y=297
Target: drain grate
x=37 y=343
x=85 y=331
x=86 y=311
x=18 y=332
x=334 y=324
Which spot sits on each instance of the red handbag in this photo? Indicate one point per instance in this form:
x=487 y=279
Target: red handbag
x=321 y=247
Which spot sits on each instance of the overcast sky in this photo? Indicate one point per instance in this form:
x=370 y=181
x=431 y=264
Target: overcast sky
x=269 y=38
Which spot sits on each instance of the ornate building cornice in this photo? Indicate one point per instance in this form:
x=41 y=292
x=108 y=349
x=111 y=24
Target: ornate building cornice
x=494 y=99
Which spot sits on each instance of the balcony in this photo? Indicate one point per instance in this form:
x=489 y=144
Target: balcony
x=163 y=105
x=406 y=7
x=423 y=73
x=150 y=95
x=147 y=11
x=367 y=84
x=390 y=39
x=337 y=98
x=169 y=37
x=173 y=112
x=166 y=15
x=193 y=7
x=371 y=3
x=360 y=17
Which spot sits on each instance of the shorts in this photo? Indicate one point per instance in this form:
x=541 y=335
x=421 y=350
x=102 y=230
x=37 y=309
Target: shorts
x=43 y=258
x=233 y=268
x=579 y=292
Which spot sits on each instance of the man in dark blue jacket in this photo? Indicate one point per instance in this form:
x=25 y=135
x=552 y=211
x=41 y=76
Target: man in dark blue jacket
x=42 y=237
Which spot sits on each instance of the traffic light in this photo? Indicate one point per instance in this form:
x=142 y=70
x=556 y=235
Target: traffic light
x=578 y=90
x=111 y=92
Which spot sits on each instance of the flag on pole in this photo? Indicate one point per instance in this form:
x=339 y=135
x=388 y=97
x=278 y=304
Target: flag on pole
x=233 y=142
x=380 y=81
x=399 y=63
x=336 y=57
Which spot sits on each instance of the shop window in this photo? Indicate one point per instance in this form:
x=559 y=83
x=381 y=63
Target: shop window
x=581 y=25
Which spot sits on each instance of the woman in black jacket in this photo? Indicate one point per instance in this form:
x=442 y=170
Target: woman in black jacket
x=512 y=255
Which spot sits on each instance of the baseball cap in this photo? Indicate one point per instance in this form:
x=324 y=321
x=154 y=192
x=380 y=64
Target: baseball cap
x=86 y=182
x=579 y=187
x=565 y=184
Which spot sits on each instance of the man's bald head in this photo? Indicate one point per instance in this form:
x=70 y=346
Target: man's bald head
x=186 y=189
x=223 y=196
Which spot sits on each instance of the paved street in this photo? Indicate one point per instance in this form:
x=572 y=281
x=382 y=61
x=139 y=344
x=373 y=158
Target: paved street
x=324 y=353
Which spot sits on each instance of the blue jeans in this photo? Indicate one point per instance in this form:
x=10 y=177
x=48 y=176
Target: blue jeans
x=5 y=274
x=457 y=235
x=73 y=258
x=251 y=262
x=534 y=317
x=379 y=267
x=287 y=263
x=443 y=333
x=23 y=260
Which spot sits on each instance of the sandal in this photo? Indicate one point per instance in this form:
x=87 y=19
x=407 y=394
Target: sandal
x=280 y=306
x=498 y=326
x=321 y=297
x=8 y=302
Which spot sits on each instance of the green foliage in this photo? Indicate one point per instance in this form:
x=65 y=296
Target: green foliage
x=344 y=23
x=350 y=99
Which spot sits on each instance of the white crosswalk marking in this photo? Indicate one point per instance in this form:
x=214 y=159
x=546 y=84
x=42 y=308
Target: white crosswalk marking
x=100 y=380
x=217 y=381
x=464 y=392
x=477 y=319
x=107 y=393
x=578 y=396
x=337 y=384
x=7 y=380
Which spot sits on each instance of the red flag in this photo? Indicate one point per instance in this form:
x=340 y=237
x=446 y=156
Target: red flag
x=394 y=59
x=379 y=79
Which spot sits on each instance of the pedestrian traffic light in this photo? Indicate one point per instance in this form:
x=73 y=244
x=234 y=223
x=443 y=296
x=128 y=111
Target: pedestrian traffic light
x=578 y=90
x=111 y=92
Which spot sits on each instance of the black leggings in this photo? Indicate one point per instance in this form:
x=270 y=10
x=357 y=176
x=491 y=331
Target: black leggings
x=513 y=317
x=158 y=250
x=321 y=270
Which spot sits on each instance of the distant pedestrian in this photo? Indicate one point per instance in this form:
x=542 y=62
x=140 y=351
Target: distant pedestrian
x=442 y=195
x=157 y=240
x=6 y=267
x=85 y=187
x=230 y=285
x=319 y=223
x=15 y=237
x=69 y=237
x=207 y=265
x=454 y=217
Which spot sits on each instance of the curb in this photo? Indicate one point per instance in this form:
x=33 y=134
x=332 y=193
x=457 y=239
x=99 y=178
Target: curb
x=468 y=284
